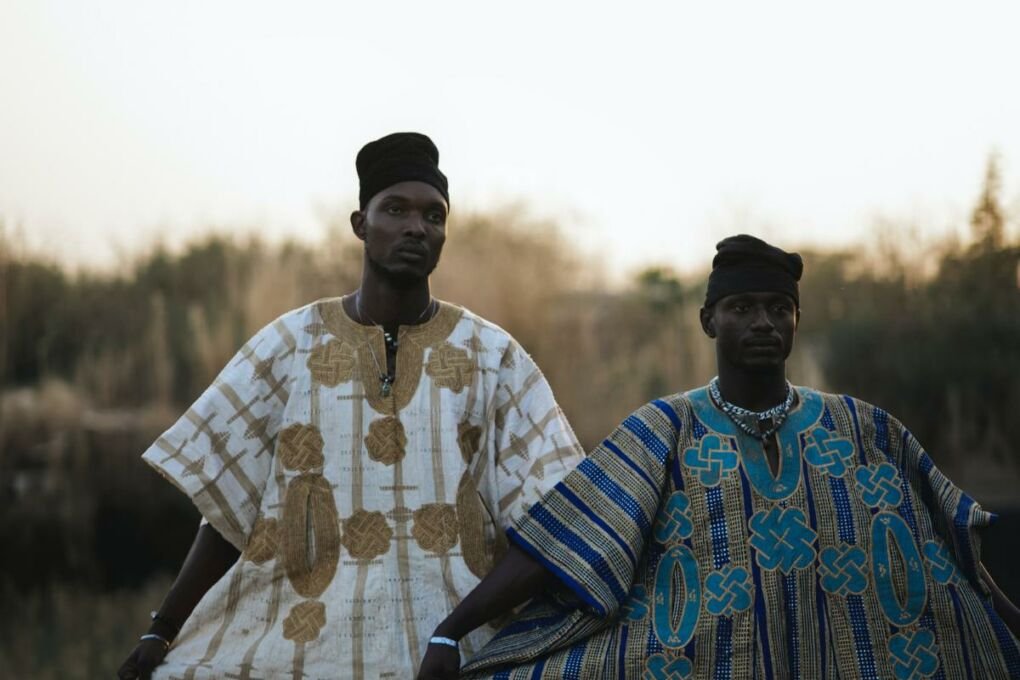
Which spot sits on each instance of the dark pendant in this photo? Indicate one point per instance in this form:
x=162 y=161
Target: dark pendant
x=387 y=381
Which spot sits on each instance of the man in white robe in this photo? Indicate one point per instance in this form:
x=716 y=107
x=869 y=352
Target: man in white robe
x=363 y=455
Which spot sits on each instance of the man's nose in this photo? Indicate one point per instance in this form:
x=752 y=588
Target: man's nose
x=414 y=225
x=761 y=318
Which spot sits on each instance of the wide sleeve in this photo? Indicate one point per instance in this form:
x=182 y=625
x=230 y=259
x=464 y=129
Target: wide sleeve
x=590 y=529
x=534 y=444
x=220 y=452
x=956 y=516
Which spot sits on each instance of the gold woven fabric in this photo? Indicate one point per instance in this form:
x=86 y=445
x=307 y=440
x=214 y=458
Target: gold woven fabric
x=363 y=517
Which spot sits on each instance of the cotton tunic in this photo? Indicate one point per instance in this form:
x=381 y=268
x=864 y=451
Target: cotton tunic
x=363 y=514
x=682 y=555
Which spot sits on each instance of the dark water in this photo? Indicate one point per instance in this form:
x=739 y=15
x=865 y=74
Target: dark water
x=1000 y=551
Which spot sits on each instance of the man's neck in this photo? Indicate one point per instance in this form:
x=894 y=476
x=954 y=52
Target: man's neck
x=382 y=302
x=755 y=391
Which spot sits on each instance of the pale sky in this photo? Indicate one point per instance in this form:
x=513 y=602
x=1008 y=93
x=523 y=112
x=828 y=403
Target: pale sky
x=648 y=130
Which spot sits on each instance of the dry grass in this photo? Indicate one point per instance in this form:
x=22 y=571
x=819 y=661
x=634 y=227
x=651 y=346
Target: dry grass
x=65 y=633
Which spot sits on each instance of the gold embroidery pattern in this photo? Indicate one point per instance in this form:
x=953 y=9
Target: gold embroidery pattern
x=435 y=527
x=414 y=340
x=508 y=360
x=472 y=527
x=258 y=428
x=311 y=534
x=195 y=467
x=400 y=514
x=315 y=329
x=332 y=363
x=305 y=621
x=218 y=443
x=469 y=438
x=366 y=535
x=300 y=447
x=474 y=344
x=386 y=440
x=264 y=541
x=450 y=367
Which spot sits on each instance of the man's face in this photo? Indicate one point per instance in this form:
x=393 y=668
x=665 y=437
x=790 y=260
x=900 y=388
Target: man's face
x=404 y=228
x=752 y=331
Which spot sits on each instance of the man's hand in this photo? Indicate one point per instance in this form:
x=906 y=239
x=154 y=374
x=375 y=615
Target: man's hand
x=441 y=662
x=139 y=665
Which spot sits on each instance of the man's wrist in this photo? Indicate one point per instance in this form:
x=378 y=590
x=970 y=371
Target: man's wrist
x=445 y=641
x=163 y=629
x=448 y=631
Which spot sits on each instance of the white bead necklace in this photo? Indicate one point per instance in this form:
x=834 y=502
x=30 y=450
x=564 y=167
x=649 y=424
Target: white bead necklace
x=740 y=416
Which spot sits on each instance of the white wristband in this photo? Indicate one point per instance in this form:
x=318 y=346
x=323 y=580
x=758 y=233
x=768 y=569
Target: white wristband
x=443 y=641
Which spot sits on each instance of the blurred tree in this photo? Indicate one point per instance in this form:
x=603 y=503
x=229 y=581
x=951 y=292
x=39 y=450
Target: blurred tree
x=944 y=353
x=987 y=219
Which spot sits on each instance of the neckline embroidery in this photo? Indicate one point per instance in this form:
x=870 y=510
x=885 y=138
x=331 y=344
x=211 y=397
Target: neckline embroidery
x=412 y=341
x=751 y=452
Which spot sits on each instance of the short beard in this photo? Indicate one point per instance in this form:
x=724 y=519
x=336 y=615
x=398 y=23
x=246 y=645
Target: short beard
x=402 y=280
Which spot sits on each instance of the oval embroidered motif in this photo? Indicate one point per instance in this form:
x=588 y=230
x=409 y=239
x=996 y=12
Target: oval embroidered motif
x=472 y=527
x=901 y=608
x=311 y=534
x=469 y=439
x=673 y=637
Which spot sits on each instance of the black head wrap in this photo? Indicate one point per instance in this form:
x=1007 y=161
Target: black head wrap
x=745 y=264
x=399 y=157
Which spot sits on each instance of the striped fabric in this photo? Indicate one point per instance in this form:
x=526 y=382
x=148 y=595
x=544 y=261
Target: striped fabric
x=363 y=515
x=683 y=556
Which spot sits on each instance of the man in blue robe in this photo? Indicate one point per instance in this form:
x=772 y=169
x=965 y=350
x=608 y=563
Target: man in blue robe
x=746 y=529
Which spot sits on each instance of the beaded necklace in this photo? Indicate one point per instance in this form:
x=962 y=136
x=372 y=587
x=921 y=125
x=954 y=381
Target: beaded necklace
x=740 y=416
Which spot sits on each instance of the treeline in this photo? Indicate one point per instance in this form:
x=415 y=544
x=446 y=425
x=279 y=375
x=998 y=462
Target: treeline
x=941 y=350
x=94 y=365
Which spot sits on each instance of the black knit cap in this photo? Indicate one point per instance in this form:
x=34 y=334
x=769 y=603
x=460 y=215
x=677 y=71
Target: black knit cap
x=745 y=264
x=399 y=157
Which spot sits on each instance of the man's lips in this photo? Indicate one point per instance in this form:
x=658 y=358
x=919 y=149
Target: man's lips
x=412 y=252
x=762 y=342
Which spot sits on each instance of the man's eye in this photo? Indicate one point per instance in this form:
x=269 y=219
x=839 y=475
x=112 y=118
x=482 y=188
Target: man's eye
x=435 y=217
x=741 y=308
x=395 y=210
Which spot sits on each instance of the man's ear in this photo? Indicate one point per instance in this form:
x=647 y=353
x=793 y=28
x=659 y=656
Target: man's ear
x=358 y=224
x=707 y=322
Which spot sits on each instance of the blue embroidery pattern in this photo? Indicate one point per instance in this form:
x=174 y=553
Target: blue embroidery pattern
x=674 y=521
x=843 y=570
x=660 y=667
x=940 y=563
x=879 y=485
x=914 y=655
x=636 y=606
x=728 y=590
x=829 y=452
x=667 y=594
x=711 y=459
x=782 y=539
x=899 y=584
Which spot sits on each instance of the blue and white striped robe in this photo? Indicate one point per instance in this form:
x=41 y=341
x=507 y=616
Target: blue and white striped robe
x=682 y=556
